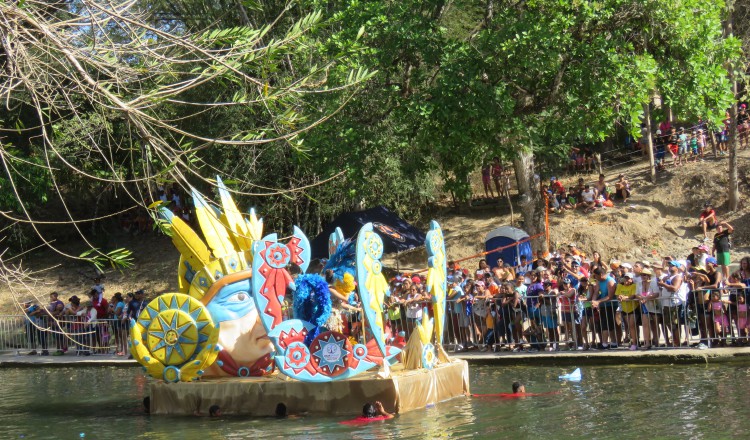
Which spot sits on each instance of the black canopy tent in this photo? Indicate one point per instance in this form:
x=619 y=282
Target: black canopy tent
x=398 y=235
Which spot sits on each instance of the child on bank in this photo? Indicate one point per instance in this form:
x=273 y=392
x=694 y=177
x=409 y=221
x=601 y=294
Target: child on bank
x=721 y=322
x=743 y=327
x=548 y=313
x=694 y=146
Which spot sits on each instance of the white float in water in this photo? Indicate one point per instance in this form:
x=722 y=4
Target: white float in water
x=575 y=376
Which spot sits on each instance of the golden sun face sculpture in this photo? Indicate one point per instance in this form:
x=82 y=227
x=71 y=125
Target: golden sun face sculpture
x=215 y=299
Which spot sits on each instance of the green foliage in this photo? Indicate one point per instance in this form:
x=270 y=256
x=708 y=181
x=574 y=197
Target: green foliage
x=385 y=101
x=117 y=259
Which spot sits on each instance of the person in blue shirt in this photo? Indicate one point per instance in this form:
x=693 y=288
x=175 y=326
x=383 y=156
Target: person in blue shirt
x=607 y=304
x=457 y=300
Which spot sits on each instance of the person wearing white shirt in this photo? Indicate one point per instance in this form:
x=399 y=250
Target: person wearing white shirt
x=673 y=298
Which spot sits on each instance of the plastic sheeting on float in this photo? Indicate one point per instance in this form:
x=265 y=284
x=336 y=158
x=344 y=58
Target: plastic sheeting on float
x=403 y=391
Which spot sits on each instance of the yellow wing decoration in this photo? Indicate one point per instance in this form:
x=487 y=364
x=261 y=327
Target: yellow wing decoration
x=424 y=328
x=233 y=220
x=436 y=276
x=372 y=284
x=191 y=247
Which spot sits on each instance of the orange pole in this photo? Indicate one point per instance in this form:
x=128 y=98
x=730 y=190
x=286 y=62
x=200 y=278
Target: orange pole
x=546 y=219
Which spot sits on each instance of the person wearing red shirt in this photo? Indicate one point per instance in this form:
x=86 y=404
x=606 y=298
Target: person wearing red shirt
x=707 y=219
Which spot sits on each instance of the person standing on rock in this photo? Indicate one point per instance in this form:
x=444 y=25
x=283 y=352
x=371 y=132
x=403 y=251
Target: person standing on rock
x=722 y=244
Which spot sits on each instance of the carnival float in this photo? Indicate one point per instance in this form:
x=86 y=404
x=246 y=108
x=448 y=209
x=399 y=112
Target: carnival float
x=251 y=328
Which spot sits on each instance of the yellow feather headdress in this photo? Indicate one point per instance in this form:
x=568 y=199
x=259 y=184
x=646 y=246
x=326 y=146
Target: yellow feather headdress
x=227 y=248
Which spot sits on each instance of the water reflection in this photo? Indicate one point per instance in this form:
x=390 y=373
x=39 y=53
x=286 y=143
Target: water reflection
x=611 y=402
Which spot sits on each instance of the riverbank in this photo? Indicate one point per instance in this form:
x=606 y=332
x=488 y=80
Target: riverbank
x=665 y=356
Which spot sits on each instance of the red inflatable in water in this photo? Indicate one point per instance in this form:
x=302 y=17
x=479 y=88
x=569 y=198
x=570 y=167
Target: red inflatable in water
x=364 y=420
x=515 y=395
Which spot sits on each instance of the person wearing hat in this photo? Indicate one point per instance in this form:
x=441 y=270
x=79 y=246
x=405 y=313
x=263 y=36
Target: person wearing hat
x=631 y=306
x=722 y=245
x=697 y=256
x=707 y=219
x=540 y=261
x=673 y=297
x=697 y=279
x=34 y=325
x=55 y=312
x=644 y=294
x=573 y=250
x=614 y=267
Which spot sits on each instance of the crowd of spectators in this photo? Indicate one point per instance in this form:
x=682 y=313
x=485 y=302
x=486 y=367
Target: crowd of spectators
x=570 y=300
x=92 y=325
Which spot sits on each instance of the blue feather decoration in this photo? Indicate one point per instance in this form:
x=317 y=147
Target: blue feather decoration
x=312 y=300
x=344 y=260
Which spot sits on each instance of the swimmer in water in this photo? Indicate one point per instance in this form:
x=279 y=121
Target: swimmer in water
x=375 y=410
x=518 y=388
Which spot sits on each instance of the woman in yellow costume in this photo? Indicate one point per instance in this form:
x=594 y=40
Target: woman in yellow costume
x=340 y=291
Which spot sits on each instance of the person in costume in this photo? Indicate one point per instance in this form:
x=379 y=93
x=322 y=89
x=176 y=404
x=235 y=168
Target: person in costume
x=340 y=291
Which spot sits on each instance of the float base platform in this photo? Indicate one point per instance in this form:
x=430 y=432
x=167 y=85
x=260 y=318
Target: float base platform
x=405 y=390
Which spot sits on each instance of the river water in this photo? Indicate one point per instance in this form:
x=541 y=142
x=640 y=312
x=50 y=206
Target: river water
x=680 y=402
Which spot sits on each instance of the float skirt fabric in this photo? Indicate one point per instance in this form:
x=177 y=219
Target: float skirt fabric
x=403 y=391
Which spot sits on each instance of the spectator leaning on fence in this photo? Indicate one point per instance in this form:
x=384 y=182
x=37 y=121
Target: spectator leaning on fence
x=55 y=310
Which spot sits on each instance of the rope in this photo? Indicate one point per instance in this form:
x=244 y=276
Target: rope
x=481 y=254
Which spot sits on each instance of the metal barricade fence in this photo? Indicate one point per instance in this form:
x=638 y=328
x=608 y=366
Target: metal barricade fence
x=19 y=333
x=543 y=322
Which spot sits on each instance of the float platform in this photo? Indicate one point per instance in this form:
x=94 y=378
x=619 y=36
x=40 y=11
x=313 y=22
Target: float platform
x=403 y=391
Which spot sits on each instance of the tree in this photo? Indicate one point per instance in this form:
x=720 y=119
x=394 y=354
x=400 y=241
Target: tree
x=102 y=94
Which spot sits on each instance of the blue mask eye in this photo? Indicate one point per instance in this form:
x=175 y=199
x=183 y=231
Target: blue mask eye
x=232 y=302
x=238 y=297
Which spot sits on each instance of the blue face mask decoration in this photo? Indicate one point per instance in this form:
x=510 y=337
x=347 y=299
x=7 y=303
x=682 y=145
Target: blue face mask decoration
x=232 y=302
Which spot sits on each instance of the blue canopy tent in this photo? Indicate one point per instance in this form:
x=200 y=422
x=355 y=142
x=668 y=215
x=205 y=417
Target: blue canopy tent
x=397 y=234
x=507 y=236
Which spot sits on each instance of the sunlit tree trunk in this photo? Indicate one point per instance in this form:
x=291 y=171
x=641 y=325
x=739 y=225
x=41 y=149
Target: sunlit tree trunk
x=649 y=141
x=530 y=198
x=733 y=187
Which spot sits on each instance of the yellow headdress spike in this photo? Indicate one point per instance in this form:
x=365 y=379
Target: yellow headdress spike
x=424 y=329
x=190 y=245
x=233 y=219
x=216 y=234
x=254 y=226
